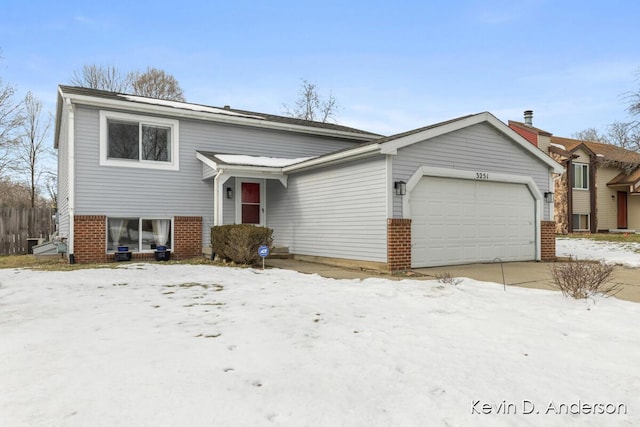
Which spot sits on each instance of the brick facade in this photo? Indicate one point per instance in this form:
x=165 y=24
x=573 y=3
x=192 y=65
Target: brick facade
x=398 y=244
x=90 y=239
x=548 y=240
x=188 y=236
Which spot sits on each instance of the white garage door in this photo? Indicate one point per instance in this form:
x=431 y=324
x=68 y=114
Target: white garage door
x=459 y=221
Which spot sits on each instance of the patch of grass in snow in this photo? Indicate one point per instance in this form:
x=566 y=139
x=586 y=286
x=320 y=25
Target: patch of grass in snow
x=606 y=237
x=448 y=278
x=46 y=264
x=61 y=264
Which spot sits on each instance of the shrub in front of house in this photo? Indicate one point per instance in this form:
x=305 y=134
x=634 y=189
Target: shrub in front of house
x=583 y=279
x=240 y=242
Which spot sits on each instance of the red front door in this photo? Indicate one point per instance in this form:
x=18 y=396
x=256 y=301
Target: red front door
x=622 y=209
x=250 y=203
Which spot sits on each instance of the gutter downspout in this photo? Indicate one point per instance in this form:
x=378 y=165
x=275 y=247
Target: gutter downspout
x=71 y=156
x=218 y=197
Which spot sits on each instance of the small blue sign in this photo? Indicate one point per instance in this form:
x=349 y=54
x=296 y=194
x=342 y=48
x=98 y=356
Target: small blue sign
x=263 y=251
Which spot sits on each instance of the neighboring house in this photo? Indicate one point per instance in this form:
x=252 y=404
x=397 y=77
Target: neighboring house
x=600 y=188
x=144 y=172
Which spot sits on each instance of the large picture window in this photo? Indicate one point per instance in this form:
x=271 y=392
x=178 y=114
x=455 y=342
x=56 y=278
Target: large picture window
x=581 y=176
x=138 y=141
x=139 y=234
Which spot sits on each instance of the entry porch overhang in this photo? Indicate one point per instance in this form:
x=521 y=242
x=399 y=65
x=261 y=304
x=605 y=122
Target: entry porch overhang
x=221 y=167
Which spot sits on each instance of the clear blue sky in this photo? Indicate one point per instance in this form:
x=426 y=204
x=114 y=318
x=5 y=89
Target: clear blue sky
x=393 y=66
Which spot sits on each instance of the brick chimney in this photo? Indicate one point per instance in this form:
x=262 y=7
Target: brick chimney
x=528 y=118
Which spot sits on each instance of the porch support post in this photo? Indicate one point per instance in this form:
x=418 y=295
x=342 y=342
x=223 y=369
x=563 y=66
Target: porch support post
x=218 y=196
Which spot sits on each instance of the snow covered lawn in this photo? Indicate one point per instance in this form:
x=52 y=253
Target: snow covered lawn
x=627 y=254
x=180 y=345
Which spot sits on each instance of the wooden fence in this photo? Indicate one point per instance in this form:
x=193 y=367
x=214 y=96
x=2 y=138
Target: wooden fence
x=18 y=225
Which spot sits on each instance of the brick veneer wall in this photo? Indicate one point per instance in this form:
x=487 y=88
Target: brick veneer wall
x=548 y=240
x=187 y=240
x=398 y=244
x=90 y=239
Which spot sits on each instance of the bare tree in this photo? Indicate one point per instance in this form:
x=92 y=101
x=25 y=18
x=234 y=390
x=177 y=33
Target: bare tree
x=103 y=77
x=624 y=134
x=155 y=83
x=590 y=134
x=31 y=149
x=51 y=185
x=16 y=195
x=11 y=119
x=310 y=106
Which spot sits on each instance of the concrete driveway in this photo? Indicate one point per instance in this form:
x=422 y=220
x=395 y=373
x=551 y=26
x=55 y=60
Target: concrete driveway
x=524 y=274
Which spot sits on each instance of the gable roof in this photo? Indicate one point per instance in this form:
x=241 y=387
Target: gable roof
x=623 y=179
x=609 y=152
x=391 y=144
x=101 y=98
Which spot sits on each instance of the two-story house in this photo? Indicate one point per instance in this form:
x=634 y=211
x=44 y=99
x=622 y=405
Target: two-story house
x=141 y=172
x=599 y=190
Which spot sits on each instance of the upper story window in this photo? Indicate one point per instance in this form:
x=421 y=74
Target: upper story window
x=130 y=140
x=581 y=176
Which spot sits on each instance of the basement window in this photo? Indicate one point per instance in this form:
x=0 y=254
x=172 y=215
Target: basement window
x=139 y=234
x=580 y=222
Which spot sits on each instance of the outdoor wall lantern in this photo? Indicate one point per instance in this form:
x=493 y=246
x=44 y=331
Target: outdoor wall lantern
x=401 y=188
x=229 y=193
x=548 y=197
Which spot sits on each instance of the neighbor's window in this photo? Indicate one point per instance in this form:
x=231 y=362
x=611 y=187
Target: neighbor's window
x=581 y=176
x=138 y=141
x=580 y=222
x=139 y=234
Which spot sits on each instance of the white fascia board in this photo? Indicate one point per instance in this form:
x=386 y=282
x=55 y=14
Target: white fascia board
x=221 y=118
x=391 y=147
x=264 y=172
x=345 y=155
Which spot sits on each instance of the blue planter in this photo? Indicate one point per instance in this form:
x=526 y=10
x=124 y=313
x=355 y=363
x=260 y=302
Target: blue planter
x=162 y=255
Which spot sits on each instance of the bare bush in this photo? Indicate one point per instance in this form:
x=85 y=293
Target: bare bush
x=582 y=279
x=448 y=279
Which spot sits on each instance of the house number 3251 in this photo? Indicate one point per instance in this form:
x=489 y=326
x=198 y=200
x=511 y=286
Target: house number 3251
x=482 y=175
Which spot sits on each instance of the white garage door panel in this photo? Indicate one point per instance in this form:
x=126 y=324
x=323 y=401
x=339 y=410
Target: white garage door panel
x=458 y=221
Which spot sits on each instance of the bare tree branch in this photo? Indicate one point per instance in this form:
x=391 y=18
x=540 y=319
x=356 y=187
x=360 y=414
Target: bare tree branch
x=309 y=105
x=155 y=83
x=103 y=77
x=11 y=119
x=31 y=149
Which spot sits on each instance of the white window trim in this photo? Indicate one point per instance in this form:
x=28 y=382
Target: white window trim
x=263 y=199
x=583 y=166
x=140 y=219
x=174 y=125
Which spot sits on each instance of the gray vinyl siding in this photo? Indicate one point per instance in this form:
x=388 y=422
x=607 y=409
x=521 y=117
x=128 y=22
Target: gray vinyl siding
x=63 y=177
x=337 y=212
x=229 y=205
x=121 y=191
x=480 y=148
